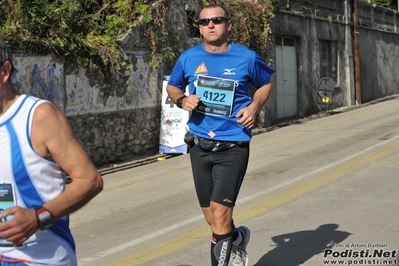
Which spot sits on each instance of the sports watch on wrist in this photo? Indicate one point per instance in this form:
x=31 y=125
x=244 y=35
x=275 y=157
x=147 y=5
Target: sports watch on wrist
x=179 y=102
x=44 y=218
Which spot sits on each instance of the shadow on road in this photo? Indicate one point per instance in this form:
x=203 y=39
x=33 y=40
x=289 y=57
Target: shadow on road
x=296 y=248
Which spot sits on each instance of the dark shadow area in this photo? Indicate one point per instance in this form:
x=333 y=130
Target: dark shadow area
x=293 y=249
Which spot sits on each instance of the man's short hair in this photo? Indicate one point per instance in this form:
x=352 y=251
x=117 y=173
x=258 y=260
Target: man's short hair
x=6 y=54
x=226 y=13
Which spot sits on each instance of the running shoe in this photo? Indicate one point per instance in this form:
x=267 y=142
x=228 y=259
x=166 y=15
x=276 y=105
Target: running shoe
x=239 y=255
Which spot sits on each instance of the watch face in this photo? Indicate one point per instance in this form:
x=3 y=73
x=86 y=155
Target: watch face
x=45 y=219
x=44 y=216
x=179 y=102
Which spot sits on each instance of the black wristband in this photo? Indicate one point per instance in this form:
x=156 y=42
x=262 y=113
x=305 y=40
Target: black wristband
x=179 y=102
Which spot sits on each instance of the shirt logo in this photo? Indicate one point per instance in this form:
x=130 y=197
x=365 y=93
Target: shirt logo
x=201 y=69
x=227 y=71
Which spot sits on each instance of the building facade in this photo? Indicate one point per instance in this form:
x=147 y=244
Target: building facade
x=315 y=46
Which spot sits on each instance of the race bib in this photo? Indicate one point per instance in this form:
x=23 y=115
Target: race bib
x=217 y=95
x=6 y=201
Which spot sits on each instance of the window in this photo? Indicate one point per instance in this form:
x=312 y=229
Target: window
x=285 y=41
x=328 y=60
x=325 y=60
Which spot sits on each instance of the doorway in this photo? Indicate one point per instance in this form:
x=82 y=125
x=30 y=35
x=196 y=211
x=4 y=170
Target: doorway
x=286 y=74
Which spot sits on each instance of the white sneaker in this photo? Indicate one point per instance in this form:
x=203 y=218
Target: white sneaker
x=239 y=255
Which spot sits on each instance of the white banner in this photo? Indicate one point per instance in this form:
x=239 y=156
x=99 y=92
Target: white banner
x=173 y=125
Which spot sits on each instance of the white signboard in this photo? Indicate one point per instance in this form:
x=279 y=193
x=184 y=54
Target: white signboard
x=173 y=126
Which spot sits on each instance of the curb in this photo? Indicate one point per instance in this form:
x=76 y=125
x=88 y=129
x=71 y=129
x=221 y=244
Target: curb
x=131 y=164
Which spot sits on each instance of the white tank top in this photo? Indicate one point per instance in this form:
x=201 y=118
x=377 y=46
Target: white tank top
x=34 y=181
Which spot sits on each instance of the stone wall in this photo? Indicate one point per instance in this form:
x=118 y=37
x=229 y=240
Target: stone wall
x=114 y=118
x=118 y=136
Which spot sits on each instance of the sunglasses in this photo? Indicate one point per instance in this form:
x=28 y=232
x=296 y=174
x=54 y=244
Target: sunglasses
x=215 y=20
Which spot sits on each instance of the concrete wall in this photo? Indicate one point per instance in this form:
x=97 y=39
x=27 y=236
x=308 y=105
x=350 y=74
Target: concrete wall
x=310 y=21
x=379 y=50
x=115 y=118
x=379 y=65
x=309 y=30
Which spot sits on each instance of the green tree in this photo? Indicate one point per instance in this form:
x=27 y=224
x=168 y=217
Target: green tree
x=74 y=29
x=392 y=4
x=89 y=31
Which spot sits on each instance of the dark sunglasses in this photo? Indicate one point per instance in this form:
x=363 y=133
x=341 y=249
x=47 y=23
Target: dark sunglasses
x=215 y=20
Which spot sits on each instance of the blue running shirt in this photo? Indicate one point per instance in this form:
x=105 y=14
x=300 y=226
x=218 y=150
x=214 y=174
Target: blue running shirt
x=223 y=81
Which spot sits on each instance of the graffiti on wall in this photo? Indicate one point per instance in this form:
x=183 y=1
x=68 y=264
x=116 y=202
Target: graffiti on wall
x=77 y=91
x=40 y=77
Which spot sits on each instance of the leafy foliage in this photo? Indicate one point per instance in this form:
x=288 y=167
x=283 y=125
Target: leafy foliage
x=75 y=29
x=392 y=4
x=251 y=22
x=90 y=30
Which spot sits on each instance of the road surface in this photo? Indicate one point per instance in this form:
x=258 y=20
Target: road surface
x=315 y=192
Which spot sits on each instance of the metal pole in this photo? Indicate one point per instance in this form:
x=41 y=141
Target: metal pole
x=356 y=59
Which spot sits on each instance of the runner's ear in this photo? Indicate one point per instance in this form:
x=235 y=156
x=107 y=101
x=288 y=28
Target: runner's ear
x=5 y=71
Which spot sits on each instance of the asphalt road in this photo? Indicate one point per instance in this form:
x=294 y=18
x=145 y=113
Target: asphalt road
x=316 y=192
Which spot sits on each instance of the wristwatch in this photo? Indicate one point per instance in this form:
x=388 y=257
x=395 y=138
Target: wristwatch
x=179 y=102
x=44 y=218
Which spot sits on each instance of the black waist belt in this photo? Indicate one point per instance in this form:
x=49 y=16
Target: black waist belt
x=217 y=145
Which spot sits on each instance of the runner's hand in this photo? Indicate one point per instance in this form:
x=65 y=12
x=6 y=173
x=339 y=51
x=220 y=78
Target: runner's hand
x=191 y=102
x=247 y=116
x=20 y=227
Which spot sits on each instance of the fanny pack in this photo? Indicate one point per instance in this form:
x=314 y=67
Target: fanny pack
x=216 y=145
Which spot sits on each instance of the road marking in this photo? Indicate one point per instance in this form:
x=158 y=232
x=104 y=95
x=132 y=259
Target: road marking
x=388 y=164
x=200 y=232
x=138 y=241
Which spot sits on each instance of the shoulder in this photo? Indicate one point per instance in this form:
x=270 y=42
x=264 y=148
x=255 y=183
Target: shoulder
x=47 y=114
x=240 y=47
x=36 y=106
x=34 y=102
x=46 y=108
x=50 y=130
x=242 y=50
